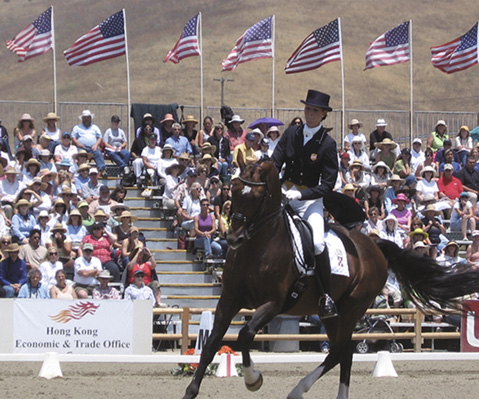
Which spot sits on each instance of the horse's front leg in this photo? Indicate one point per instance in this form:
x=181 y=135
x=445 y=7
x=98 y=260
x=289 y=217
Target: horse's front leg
x=225 y=311
x=263 y=315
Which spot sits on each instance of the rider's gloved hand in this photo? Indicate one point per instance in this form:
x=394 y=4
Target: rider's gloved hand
x=293 y=195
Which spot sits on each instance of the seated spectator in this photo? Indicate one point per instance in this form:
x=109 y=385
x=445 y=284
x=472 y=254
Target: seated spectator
x=32 y=168
x=129 y=244
x=13 y=272
x=122 y=230
x=140 y=142
x=91 y=190
x=203 y=177
x=62 y=290
x=420 y=249
x=87 y=219
x=59 y=214
x=417 y=155
x=149 y=121
x=220 y=148
x=138 y=290
x=449 y=187
x=417 y=234
x=116 y=211
x=104 y=291
x=76 y=231
x=82 y=177
x=104 y=202
x=235 y=133
x=190 y=133
x=391 y=232
x=88 y=136
x=374 y=201
x=344 y=160
x=66 y=149
x=25 y=127
x=258 y=134
x=358 y=151
x=179 y=143
x=34 y=288
x=472 y=253
x=273 y=134
x=392 y=290
x=5 y=241
x=62 y=179
x=44 y=144
x=39 y=198
x=4 y=229
x=167 y=159
x=143 y=260
x=18 y=163
x=358 y=178
x=80 y=158
x=224 y=225
x=64 y=247
x=150 y=157
x=429 y=161
x=102 y=217
x=50 y=267
x=440 y=154
x=462 y=216
x=243 y=151
x=372 y=222
x=87 y=268
x=427 y=185
x=23 y=222
x=377 y=136
x=102 y=240
x=435 y=141
x=115 y=144
x=433 y=225
x=206 y=132
x=43 y=226
x=469 y=178
x=213 y=190
x=191 y=207
x=402 y=214
x=172 y=183
x=33 y=253
x=118 y=194
x=386 y=153
x=30 y=150
x=350 y=191
x=51 y=128
x=449 y=159
x=450 y=255
x=205 y=228
x=403 y=167
x=354 y=126
x=207 y=161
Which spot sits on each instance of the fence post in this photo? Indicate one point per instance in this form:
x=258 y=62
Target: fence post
x=418 y=317
x=185 y=329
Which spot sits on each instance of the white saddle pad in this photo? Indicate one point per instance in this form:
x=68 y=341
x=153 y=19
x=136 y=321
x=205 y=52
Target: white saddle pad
x=337 y=254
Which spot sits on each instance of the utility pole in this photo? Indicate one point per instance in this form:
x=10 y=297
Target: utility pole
x=223 y=81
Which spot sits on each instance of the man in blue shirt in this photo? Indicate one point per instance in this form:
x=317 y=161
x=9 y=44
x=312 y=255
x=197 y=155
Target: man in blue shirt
x=88 y=136
x=13 y=272
x=179 y=143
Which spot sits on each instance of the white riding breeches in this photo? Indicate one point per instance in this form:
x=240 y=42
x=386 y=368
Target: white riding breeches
x=311 y=211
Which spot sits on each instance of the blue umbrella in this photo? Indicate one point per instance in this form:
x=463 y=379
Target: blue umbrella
x=475 y=133
x=269 y=121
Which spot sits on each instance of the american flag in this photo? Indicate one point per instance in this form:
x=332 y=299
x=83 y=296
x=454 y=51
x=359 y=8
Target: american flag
x=103 y=42
x=187 y=44
x=390 y=48
x=456 y=55
x=320 y=47
x=256 y=43
x=35 y=39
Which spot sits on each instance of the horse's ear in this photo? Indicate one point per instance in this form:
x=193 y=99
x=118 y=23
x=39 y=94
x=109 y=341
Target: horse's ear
x=270 y=175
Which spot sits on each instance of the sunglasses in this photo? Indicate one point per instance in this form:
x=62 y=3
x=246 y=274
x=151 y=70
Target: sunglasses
x=6 y=242
x=53 y=253
x=140 y=276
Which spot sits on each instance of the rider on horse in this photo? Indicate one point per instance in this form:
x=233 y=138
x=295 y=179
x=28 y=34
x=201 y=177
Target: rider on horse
x=311 y=160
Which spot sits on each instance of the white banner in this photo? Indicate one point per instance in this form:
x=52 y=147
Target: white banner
x=79 y=327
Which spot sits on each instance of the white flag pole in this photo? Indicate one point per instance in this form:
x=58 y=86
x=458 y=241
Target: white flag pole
x=343 y=121
x=127 y=79
x=411 y=84
x=274 y=80
x=201 y=67
x=54 y=65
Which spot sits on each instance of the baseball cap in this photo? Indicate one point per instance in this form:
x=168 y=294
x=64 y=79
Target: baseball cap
x=250 y=137
x=152 y=136
x=64 y=134
x=417 y=140
x=448 y=166
x=27 y=137
x=192 y=173
x=88 y=246
x=93 y=171
x=104 y=188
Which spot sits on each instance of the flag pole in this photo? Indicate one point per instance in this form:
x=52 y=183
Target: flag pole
x=343 y=120
x=411 y=121
x=273 y=66
x=201 y=67
x=54 y=66
x=127 y=78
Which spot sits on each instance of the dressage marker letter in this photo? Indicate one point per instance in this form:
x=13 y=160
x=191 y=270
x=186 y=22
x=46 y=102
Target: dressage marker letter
x=206 y=325
x=470 y=327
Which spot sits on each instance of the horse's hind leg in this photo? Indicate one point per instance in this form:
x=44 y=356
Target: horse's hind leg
x=345 y=373
x=225 y=311
x=263 y=315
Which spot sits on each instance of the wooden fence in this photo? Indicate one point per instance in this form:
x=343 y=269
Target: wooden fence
x=417 y=335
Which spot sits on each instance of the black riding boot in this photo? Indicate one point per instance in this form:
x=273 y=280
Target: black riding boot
x=327 y=307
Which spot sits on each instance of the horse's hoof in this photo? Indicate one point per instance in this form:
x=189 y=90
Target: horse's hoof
x=255 y=385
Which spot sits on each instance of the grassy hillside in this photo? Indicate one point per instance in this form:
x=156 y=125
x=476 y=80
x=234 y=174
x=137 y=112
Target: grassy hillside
x=154 y=26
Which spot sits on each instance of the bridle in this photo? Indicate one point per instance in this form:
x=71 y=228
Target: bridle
x=252 y=225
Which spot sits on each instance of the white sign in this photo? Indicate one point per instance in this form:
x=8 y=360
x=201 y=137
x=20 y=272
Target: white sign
x=206 y=325
x=79 y=327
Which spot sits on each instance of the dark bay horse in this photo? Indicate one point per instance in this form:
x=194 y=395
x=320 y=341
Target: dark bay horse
x=259 y=273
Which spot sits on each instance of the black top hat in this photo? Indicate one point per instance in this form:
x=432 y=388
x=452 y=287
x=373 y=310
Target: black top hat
x=317 y=99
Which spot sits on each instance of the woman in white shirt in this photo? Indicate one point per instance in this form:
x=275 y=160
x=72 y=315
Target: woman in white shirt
x=427 y=185
x=49 y=267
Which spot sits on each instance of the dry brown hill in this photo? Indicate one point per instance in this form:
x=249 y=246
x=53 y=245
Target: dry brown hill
x=154 y=26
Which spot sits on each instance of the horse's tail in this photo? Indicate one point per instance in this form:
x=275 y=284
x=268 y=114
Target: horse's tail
x=423 y=280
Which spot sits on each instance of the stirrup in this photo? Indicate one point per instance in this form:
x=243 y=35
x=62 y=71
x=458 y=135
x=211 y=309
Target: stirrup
x=327 y=307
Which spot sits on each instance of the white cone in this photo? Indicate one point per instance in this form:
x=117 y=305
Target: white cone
x=51 y=366
x=227 y=367
x=384 y=366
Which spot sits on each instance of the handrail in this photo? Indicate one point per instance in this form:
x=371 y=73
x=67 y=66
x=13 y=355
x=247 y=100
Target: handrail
x=418 y=336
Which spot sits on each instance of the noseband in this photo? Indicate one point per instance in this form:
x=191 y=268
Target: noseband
x=251 y=222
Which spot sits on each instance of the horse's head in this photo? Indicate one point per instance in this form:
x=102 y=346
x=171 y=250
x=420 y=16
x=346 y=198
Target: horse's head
x=256 y=193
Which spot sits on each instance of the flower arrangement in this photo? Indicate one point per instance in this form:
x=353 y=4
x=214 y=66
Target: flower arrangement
x=187 y=369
